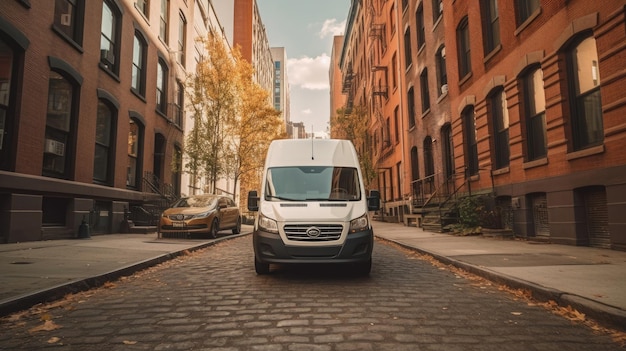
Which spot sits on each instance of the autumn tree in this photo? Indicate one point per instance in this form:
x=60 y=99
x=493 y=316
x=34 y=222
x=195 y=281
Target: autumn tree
x=256 y=124
x=353 y=125
x=212 y=96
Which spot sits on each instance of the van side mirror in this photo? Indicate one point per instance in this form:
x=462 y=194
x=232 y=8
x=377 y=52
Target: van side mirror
x=373 y=200
x=253 y=201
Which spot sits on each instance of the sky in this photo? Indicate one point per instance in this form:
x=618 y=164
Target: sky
x=305 y=28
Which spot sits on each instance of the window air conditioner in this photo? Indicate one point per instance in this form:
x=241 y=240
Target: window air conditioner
x=107 y=57
x=66 y=19
x=54 y=147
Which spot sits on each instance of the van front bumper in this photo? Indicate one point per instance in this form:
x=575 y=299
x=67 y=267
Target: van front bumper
x=270 y=248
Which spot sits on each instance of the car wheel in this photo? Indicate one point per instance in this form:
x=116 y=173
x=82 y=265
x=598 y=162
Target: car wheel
x=261 y=268
x=237 y=228
x=214 y=229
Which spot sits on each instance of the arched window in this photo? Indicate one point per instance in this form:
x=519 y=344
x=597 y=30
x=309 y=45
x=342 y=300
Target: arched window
x=470 y=142
x=586 y=111
x=135 y=149
x=499 y=118
x=535 y=116
x=161 y=88
x=442 y=75
x=463 y=48
x=60 y=124
x=110 y=37
x=138 y=78
x=103 y=160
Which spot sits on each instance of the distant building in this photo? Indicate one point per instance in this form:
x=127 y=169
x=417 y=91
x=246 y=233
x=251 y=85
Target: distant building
x=244 y=29
x=280 y=92
x=337 y=98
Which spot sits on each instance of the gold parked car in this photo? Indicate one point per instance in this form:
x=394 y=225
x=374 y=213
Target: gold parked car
x=201 y=214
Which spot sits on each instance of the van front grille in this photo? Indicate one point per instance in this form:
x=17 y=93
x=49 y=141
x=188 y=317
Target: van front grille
x=313 y=232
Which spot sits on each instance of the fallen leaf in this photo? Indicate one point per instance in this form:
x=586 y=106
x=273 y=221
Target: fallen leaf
x=127 y=342
x=46 y=326
x=516 y=313
x=53 y=340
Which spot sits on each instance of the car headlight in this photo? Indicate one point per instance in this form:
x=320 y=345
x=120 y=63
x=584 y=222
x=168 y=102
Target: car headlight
x=267 y=225
x=202 y=215
x=359 y=224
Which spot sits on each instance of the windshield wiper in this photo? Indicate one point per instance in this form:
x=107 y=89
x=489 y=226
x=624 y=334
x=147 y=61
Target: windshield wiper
x=282 y=198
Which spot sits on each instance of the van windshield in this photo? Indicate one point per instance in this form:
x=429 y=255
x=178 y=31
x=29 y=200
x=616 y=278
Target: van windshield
x=315 y=183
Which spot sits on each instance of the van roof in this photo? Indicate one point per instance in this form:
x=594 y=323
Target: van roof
x=311 y=152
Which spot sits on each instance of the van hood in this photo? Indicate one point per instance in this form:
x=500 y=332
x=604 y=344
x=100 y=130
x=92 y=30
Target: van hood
x=312 y=211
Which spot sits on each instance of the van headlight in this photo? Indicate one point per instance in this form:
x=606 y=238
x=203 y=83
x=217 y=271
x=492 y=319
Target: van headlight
x=359 y=224
x=267 y=224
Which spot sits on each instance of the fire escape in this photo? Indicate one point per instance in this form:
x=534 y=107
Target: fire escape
x=377 y=45
x=347 y=89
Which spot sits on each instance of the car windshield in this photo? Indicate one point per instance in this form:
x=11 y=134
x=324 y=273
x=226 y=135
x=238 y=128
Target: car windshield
x=320 y=183
x=196 y=201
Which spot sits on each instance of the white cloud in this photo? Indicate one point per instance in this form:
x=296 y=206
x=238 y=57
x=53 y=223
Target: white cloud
x=332 y=28
x=308 y=111
x=309 y=73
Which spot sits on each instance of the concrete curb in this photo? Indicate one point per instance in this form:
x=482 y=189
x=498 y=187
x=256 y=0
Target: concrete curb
x=26 y=301
x=606 y=315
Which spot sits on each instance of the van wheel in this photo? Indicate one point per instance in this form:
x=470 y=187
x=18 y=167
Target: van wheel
x=363 y=268
x=261 y=268
x=214 y=229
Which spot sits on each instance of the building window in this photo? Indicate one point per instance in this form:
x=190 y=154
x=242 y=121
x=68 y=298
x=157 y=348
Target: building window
x=109 y=48
x=442 y=75
x=182 y=39
x=58 y=149
x=470 y=143
x=135 y=143
x=535 y=105
x=421 y=33
x=394 y=73
x=587 y=124
x=500 y=119
x=396 y=125
x=7 y=92
x=180 y=104
x=392 y=18
x=138 y=78
x=144 y=7
x=103 y=155
x=491 y=25
x=68 y=19
x=161 y=87
x=463 y=42
x=405 y=4
x=525 y=9
x=163 y=20
x=425 y=91
x=437 y=10
x=411 y=107
x=408 y=57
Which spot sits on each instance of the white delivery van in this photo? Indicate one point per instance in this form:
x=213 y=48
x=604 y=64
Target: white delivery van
x=312 y=207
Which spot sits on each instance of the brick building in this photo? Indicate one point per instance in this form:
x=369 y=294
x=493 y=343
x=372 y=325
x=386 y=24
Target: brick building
x=539 y=110
x=91 y=111
x=521 y=102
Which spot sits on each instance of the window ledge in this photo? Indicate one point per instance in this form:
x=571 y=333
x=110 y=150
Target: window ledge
x=493 y=53
x=109 y=72
x=527 y=21
x=439 y=19
x=442 y=96
x=535 y=163
x=594 y=150
x=465 y=79
x=426 y=113
x=502 y=170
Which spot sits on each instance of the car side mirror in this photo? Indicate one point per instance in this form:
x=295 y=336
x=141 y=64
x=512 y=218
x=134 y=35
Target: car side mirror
x=373 y=200
x=253 y=201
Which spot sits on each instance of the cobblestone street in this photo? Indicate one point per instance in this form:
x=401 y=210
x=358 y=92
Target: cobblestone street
x=213 y=300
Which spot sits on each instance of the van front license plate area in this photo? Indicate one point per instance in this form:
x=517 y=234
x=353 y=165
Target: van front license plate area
x=178 y=224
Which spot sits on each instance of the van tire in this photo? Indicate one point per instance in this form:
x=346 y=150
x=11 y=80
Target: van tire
x=363 y=268
x=261 y=268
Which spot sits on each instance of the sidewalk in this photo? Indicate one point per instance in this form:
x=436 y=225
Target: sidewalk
x=591 y=280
